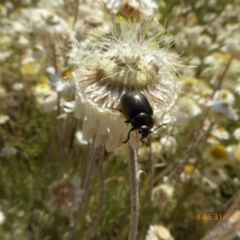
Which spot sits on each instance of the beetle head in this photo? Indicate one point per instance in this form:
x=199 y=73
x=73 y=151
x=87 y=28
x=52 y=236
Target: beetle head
x=144 y=131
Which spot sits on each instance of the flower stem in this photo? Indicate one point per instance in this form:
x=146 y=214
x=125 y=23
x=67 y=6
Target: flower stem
x=84 y=197
x=133 y=193
x=97 y=221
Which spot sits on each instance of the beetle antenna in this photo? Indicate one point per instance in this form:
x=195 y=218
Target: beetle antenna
x=157 y=127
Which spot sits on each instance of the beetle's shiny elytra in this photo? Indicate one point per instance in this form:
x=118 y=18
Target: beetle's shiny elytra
x=138 y=111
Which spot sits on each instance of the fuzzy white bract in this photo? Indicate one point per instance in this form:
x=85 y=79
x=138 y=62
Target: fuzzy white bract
x=127 y=58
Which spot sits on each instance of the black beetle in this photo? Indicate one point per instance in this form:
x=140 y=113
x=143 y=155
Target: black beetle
x=138 y=111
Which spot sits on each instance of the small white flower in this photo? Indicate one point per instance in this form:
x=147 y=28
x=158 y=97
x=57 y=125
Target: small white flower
x=50 y=24
x=190 y=172
x=236 y=134
x=2 y=218
x=194 y=32
x=41 y=89
x=210 y=60
x=37 y=51
x=168 y=141
x=44 y=23
x=204 y=41
x=60 y=79
x=232 y=46
x=10 y=27
x=110 y=65
x=220 y=133
x=216 y=175
x=237 y=89
x=236 y=181
x=162 y=193
x=224 y=96
x=8 y=152
x=48 y=101
x=3 y=119
x=158 y=232
x=212 y=140
x=4 y=55
x=139 y=174
x=20 y=42
x=217 y=154
x=17 y=86
x=181 y=41
x=207 y=185
x=231 y=150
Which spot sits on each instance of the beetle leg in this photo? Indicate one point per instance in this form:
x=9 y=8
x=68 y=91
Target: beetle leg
x=128 y=137
x=127 y=121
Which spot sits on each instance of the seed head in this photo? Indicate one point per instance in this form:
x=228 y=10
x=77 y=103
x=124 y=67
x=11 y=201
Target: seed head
x=127 y=58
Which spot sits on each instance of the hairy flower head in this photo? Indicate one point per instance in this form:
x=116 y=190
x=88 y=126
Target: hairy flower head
x=127 y=58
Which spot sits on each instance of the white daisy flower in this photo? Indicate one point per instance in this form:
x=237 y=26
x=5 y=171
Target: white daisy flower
x=190 y=172
x=216 y=175
x=11 y=27
x=234 y=153
x=224 y=96
x=37 y=51
x=107 y=66
x=8 y=152
x=162 y=193
x=44 y=23
x=3 y=119
x=20 y=42
x=59 y=79
x=48 y=101
x=220 y=133
x=207 y=185
x=18 y=86
x=217 y=153
x=236 y=134
x=2 y=218
x=158 y=232
x=4 y=55
x=168 y=141
x=232 y=46
x=204 y=41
